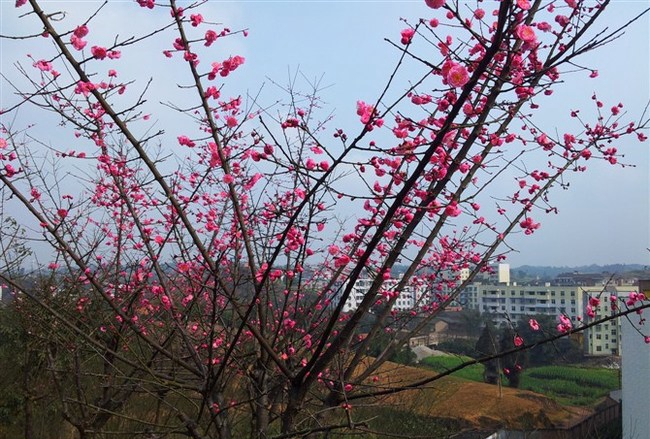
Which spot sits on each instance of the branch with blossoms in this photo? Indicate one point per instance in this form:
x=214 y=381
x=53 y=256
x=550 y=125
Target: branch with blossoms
x=209 y=271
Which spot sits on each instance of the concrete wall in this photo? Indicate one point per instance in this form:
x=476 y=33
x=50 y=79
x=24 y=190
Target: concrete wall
x=635 y=368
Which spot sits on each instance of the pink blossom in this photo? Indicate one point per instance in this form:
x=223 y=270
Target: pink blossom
x=184 y=140
x=10 y=171
x=179 y=44
x=518 y=341
x=457 y=76
x=407 y=35
x=98 y=52
x=452 y=210
x=523 y=4
x=84 y=88
x=196 y=19
x=20 y=3
x=435 y=4
x=81 y=31
x=146 y=3
x=36 y=195
x=231 y=121
x=341 y=261
x=534 y=325
x=526 y=33
x=43 y=65
x=77 y=42
x=212 y=92
x=210 y=37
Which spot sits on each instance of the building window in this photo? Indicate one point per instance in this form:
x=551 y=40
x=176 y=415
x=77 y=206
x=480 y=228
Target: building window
x=599 y=348
x=599 y=336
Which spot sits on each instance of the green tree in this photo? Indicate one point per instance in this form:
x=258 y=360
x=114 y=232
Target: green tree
x=512 y=363
x=487 y=346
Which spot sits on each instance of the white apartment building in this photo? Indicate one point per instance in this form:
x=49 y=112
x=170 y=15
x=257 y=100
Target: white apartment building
x=604 y=339
x=408 y=298
x=512 y=302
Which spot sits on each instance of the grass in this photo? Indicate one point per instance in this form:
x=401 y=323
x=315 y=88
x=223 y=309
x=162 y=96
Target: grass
x=571 y=385
x=568 y=385
x=443 y=363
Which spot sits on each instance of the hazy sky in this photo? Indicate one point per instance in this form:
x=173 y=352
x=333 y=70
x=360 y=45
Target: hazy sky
x=604 y=217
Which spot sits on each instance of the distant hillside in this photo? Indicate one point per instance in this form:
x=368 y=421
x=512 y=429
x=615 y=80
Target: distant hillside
x=544 y=272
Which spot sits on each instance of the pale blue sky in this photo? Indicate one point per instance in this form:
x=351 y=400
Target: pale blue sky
x=604 y=218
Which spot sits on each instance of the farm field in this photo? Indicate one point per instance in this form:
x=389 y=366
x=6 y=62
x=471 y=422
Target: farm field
x=567 y=385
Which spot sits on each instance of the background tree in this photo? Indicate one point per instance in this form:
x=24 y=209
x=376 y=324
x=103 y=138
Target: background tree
x=566 y=350
x=513 y=363
x=487 y=346
x=204 y=273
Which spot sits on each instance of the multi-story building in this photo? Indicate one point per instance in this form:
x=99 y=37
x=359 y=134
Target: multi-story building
x=409 y=297
x=506 y=301
x=511 y=302
x=605 y=338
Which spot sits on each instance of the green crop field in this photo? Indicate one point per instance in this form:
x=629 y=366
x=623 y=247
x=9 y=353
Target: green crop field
x=571 y=384
x=568 y=385
x=443 y=363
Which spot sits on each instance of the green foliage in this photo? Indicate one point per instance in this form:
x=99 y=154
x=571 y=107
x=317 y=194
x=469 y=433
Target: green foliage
x=562 y=351
x=571 y=385
x=442 y=363
x=512 y=363
x=594 y=377
x=487 y=345
x=459 y=346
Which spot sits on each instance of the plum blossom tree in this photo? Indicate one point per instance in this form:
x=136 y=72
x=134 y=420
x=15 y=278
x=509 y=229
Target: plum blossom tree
x=205 y=271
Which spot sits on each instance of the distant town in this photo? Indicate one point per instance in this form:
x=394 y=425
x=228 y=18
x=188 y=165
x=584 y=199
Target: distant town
x=504 y=295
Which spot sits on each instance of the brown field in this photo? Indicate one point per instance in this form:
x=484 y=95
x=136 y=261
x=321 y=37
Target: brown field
x=475 y=405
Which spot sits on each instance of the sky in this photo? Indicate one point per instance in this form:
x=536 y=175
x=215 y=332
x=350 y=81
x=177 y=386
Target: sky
x=603 y=218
